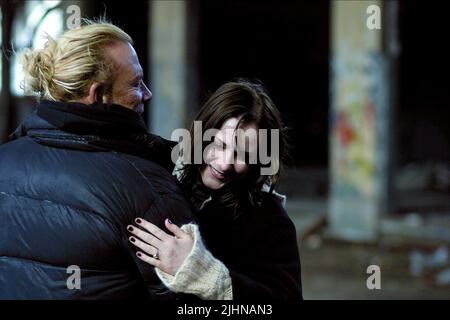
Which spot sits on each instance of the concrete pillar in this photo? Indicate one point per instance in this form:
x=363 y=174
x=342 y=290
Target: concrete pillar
x=169 y=84
x=359 y=130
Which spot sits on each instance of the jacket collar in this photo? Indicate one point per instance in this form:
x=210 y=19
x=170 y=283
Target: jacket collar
x=96 y=119
x=96 y=127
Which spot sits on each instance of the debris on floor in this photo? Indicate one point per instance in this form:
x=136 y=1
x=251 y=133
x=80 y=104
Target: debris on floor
x=434 y=267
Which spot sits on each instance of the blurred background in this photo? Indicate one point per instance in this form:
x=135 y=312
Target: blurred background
x=362 y=84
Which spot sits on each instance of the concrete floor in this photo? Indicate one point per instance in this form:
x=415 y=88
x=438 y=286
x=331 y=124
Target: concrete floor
x=337 y=270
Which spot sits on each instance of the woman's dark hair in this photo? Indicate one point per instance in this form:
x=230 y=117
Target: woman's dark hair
x=249 y=101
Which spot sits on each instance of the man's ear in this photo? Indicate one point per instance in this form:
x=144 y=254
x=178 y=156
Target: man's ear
x=95 y=93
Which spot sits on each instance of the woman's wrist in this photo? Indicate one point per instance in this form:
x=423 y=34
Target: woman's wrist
x=200 y=274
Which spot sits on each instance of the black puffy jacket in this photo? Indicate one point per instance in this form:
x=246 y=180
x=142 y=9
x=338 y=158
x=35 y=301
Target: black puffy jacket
x=71 y=180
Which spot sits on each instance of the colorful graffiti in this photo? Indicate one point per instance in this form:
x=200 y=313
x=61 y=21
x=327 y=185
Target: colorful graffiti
x=355 y=139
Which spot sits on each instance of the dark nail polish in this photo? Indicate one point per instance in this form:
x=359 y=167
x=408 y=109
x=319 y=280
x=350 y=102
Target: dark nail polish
x=139 y=254
x=138 y=221
x=132 y=239
x=168 y=220
x=130 y=228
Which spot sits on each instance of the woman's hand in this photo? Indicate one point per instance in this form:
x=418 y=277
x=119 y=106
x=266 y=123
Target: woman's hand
x=164 y=251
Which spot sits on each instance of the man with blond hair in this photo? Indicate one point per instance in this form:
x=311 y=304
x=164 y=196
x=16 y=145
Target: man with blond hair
x=81 y=169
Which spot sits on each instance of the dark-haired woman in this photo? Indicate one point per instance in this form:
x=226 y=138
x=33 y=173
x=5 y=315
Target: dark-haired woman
x=242 y=244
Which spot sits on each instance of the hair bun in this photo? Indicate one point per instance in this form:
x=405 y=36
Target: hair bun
x=38 y=67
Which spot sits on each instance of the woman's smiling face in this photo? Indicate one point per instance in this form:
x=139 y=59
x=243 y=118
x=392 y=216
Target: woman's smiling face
x=224 y=161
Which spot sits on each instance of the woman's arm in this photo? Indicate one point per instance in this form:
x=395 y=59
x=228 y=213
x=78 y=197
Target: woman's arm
x=270 y=270
x=182 y=262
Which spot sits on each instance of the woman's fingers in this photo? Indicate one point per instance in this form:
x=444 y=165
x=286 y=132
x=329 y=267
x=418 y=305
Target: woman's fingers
x=145 y=236
x=148 y=259
x=150 y=227
x=164 y=251
x=148 y=249
x=175 y=229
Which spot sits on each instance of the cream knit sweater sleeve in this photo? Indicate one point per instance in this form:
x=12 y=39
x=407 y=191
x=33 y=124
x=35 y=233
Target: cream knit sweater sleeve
x=200 y=274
